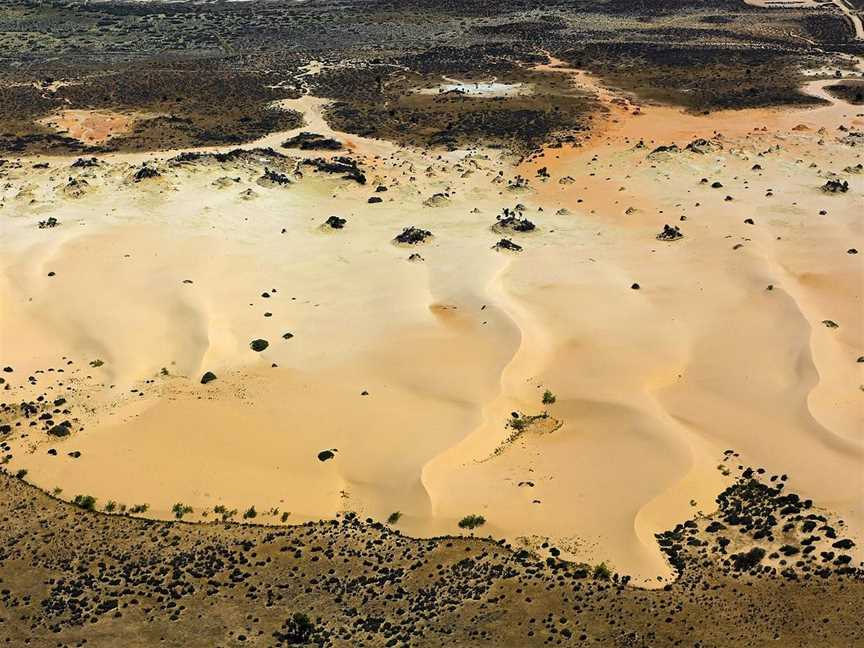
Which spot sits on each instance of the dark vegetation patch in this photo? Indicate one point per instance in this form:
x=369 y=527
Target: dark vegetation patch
x=378 y=102
x=698 y=78
x=850 y=91
x=73 y=576
x=202 y=74
x=180 y=106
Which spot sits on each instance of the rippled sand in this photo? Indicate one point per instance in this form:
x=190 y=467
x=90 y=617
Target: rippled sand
x=410 y=370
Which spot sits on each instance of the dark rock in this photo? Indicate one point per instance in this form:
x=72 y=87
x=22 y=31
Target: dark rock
x=208 y=376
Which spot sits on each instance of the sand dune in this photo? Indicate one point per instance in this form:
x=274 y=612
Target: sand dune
x=410 y=371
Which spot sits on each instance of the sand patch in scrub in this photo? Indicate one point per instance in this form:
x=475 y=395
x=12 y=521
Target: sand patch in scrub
x=91 y=127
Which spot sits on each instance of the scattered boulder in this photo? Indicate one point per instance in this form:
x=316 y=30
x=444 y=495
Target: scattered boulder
x=208 y=376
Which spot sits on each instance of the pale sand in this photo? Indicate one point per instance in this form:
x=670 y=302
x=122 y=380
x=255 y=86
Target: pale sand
x=652 y=385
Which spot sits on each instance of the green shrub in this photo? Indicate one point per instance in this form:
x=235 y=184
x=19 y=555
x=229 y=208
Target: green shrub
x=139 y=508
x=472 y=521
x=224 y=512
x=296 y=631
x=602 y=572
x=86 y=502
x=394 y=517
x=21 y=474
x=250 y=513
x=285 y=516
x=110 y=506
x=180 y=509
x=548 y=397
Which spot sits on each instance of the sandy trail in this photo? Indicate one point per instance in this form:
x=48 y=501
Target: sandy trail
x=651 y=385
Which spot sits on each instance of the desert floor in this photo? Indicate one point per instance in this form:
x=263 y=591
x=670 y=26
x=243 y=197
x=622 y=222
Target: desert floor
x=746 y=334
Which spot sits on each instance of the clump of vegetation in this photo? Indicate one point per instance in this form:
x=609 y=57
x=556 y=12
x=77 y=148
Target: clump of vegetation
x=250 y=513
x=548 y=397
x=296 y=631
x=96 y=363
x=110 y=506
x=21 y=474
x=602 y=572
x=225 y=513
x=394 y=517
x=86 y=502
x=520 y=422
x=56 y=491
x=139 y=508
x=180 y=509
x=472 y=521
x=285 y=516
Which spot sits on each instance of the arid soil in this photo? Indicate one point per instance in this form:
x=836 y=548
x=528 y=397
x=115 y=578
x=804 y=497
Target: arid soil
x=71 y=577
